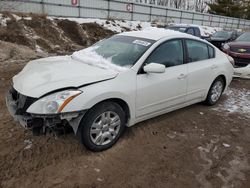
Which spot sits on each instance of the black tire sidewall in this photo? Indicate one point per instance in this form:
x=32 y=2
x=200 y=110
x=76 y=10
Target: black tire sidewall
x=91 y=115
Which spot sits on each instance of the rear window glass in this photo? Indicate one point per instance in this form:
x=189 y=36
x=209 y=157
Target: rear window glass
x=197 y=51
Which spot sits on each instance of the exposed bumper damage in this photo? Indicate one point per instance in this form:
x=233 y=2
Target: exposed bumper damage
x=242 y=72
x=17 y=105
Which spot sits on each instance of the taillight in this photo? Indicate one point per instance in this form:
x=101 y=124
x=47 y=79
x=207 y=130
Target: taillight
x=231 y=60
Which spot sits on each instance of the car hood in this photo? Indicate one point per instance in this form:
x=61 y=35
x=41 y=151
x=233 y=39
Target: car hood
x=240 y=44
x=49 y=74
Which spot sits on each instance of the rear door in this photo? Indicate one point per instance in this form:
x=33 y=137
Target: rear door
x=201 y=65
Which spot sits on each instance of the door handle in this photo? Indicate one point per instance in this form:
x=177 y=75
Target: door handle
x=214 y=67
x=182 y=76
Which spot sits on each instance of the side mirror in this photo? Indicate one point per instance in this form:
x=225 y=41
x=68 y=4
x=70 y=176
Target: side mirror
x=154 y=68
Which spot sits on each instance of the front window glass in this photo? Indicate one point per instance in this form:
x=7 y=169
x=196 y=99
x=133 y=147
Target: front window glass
x=245 y=37
x=122 y=51
x=169 y=54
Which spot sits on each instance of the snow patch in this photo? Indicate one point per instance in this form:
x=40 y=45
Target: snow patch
x=3 y=20
x=38 y=49
x=16 y=17
x=27 y=18
x=90 y=57
x=117 y=26
x=238 y=101
x=226 y=145
x=28 y=144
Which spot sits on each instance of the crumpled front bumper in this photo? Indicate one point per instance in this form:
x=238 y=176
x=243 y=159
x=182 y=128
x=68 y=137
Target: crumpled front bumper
x=17 y=109
x=24 y=120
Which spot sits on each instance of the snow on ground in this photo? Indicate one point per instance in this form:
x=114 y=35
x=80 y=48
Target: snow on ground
x=238 y=101
x=207 y=31
x=113 y=25
x=117 y=25
x=16 y=17
x=3 y=20
x=28 y=144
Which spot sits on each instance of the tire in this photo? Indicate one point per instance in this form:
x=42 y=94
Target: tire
x=215 y=91
x=102 y=126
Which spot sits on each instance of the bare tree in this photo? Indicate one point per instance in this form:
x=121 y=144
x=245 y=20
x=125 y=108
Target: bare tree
x=179 y=4
x=194 y=5
x=201 y=5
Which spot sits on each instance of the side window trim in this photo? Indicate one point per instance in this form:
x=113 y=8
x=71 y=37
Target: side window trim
x=213 y=56
x=140 y=71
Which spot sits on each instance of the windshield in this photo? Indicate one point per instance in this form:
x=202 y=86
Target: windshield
x=181 y=29
x=119 y=51
x=245 y=37
x=222 y=34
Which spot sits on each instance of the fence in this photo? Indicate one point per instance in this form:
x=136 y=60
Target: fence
x=123 y=10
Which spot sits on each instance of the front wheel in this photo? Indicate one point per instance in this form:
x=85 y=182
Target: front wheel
x=102 y=126
x=215 y=91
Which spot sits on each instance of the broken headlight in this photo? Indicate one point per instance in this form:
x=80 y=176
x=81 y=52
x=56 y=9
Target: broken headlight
x=53 y=103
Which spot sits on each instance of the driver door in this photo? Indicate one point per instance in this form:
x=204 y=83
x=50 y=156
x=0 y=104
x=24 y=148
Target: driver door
x=160 y=92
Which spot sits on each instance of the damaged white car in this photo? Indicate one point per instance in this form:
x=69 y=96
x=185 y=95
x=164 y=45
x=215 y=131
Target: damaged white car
x=118 y=82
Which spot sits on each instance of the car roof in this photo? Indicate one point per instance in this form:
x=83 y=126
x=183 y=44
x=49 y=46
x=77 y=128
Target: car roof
x=156 y=34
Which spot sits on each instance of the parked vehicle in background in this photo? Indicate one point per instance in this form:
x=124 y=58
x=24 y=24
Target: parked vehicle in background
x=219 y=38
x=118 y=82
x=242 y=72
x=192 y=30
x=239 y=49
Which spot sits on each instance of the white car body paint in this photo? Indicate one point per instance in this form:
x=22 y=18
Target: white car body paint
x=242 y=72
x=45 y=75
x=147 y=95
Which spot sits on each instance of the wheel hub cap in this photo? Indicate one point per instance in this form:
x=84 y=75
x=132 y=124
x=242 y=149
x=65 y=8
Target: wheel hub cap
x=216 y=91
x=105 y=128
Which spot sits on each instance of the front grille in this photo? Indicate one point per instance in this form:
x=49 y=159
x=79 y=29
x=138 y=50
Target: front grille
x=22 y=102
x=241 y=61
x=240 y=50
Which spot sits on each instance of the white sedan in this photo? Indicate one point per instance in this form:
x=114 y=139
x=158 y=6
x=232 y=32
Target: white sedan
x=118 y=82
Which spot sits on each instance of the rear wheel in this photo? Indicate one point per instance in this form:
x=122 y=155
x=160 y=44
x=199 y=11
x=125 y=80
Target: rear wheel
x=215 y=91
x=102 y=126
